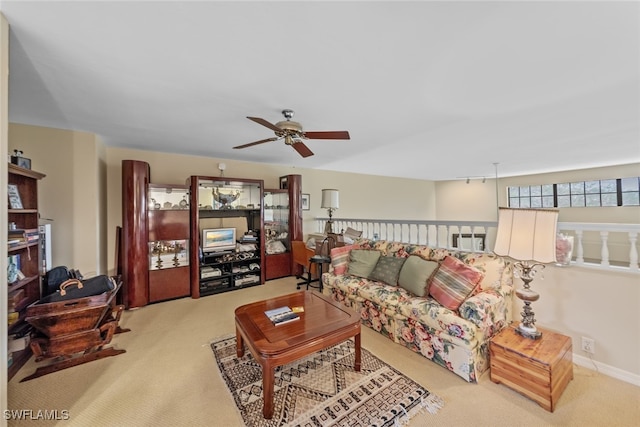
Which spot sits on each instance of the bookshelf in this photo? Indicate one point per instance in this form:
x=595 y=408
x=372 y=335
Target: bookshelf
x=23 y=253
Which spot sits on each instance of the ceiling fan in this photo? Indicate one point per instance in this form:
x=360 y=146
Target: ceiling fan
x=293 y=134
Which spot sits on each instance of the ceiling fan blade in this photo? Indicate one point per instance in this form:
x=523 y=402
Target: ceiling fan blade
x=302 y=149
x=338 y=134
x=257 y=142
x=263 y=122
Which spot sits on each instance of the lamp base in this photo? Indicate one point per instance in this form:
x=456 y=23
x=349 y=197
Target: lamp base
x=528 y=332
x=328 y=227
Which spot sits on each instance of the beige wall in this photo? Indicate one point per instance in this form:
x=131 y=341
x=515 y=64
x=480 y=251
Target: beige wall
x=70 y=195
x=587 y=302
x=476 y=201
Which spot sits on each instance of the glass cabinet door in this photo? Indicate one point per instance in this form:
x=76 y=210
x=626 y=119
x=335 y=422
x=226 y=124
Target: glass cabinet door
x=166 y=197
x=168 y=221
x=276 y=222
x=228 y=195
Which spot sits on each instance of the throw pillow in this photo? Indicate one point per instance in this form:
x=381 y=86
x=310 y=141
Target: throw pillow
x=415 y=273
x=387 y=270
x=362 y=262
x=340 y=258
x=352 y=233
x=453 y=282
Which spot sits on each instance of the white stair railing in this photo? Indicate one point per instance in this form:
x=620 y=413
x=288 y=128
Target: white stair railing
x=601 y=245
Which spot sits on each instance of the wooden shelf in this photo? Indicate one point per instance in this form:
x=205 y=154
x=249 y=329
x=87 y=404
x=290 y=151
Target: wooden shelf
x=203 y=194
x=26 y=180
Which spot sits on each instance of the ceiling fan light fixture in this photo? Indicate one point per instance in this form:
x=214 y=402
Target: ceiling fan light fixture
x=293 y=134
x=290 y=126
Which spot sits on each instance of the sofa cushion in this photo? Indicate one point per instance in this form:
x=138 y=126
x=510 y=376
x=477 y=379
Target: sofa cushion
x=415 y=273
x=491 y=265
x=340 y=258
x=362 y=262
x=387 y=270
x=440 y=319
x=453 y=282
x=385 y=296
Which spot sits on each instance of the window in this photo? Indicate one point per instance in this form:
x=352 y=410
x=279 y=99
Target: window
x=606 y=192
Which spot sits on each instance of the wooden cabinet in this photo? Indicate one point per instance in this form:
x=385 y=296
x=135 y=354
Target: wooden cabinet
x=539 y=369
x=135 y=234
x=276 y=234
x=168 y=222
x=282 y=224
x=24 y=261
x=228 y=212
x=155 y=239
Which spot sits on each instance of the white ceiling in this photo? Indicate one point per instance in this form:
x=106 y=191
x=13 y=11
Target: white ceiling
x=428 y=90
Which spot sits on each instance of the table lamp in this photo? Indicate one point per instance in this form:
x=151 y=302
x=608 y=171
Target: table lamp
x=331 y=202
x=529 y=237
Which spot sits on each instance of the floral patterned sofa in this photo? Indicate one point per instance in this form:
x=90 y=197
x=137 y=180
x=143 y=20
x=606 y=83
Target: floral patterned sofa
x=455 y=339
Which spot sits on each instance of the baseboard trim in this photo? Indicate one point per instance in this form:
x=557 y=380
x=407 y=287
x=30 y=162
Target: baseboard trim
x=607 y=370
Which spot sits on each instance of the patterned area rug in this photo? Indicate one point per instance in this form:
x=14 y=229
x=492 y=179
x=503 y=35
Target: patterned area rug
x=323 y=389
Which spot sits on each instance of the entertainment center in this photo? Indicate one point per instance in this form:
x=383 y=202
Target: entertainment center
x=227 y=218
x=205 y=236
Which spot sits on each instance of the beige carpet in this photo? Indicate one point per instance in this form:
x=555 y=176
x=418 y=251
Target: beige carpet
x=167 y=377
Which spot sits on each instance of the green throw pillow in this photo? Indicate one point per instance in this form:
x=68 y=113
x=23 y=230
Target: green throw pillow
x=414 y=274
x=362 y=262
x=387 y=270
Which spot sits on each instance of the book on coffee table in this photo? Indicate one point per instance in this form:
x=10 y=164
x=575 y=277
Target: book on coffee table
x=281 y=315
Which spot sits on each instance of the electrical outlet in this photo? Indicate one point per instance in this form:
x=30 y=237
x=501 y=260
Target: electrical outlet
x=588 y=345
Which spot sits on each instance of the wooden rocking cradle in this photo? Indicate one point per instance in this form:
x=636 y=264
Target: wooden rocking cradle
x=74 y=331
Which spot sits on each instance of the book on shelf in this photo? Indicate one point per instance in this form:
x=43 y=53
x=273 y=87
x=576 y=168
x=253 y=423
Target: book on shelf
x=23 y=235
x=15 y=202
x=13 y=268
x=281 y=315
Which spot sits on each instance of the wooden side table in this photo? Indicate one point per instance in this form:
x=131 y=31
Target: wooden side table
x=539 y=369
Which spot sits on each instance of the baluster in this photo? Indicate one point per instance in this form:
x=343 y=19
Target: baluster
x=474 y=245
x=604 y=236
x=447 y=236
x=633 y=251
x=580 y=249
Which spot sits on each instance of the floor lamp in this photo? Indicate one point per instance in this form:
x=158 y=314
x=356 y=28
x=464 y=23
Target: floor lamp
x=331 y=202
x=529 y=237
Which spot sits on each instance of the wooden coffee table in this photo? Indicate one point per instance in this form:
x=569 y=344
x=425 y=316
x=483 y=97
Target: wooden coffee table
x=322 y=324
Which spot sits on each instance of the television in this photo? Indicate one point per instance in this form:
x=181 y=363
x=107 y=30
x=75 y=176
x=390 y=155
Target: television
x=218 y=239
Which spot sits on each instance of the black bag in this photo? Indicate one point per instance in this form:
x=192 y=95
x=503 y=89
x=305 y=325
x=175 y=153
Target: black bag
x=76 y=288
x=54 y=278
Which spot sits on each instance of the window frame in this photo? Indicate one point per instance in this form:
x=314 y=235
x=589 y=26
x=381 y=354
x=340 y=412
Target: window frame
x=575 y=194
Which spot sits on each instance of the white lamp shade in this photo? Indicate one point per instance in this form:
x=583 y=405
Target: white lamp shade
x=330 y=199
x=527 y=234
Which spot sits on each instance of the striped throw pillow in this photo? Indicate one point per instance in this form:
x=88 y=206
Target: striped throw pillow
x=453 y=282
x=340 y=258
